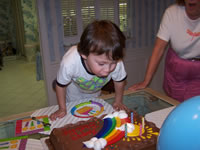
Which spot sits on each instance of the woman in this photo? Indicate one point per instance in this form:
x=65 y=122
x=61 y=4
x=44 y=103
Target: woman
x=180 y=28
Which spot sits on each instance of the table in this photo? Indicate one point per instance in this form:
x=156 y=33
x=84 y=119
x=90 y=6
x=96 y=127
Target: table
x=144 y=102
x=146 y=94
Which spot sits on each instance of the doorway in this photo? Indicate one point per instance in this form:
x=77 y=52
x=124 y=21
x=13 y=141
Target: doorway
x=21 y=76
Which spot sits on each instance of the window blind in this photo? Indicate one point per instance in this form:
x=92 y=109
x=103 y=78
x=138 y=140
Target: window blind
x=91 y=10
x=87 y=11
x=107 y=10
x=123 y=22
x=69 y=17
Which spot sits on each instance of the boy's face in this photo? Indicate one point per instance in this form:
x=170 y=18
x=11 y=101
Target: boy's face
x=100 y=65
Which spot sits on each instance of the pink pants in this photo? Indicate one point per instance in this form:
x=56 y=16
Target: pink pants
x=182 y=77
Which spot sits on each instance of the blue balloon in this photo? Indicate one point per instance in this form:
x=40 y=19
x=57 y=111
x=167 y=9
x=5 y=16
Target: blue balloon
x=181 y=128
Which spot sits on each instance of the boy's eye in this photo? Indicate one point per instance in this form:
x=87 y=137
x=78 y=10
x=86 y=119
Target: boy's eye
x=101 y=64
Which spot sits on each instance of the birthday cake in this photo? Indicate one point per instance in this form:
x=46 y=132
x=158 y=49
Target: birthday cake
x=119 y=131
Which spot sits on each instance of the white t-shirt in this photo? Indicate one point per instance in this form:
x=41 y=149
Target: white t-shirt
x=81 y=83
x=182 y=32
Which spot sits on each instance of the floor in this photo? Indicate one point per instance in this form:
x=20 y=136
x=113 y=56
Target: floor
x=19 y=89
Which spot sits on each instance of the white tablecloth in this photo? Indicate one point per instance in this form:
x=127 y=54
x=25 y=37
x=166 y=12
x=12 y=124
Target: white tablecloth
x=69 y=118
x=33 y=144
x=159 y=116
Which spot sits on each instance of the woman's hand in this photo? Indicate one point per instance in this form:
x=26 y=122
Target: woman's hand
x=138 y=86
x=60 y=113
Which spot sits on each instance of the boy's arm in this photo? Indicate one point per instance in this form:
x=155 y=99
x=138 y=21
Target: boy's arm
x=119 y=90
x=61 y=95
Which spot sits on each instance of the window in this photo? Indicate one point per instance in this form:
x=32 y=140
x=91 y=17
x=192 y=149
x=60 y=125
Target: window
x=69 y=17
x=87 y=11
x=107 y=10
x=78 y=13
x=123 y=15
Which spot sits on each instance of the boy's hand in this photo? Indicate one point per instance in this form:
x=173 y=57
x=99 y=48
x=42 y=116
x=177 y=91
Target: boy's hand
x=60 y=113
x=119 y=106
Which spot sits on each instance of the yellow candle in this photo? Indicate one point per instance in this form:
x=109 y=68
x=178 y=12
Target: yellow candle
x=142 y=122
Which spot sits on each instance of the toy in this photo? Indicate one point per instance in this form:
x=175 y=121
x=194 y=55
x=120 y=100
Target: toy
x=181 y=129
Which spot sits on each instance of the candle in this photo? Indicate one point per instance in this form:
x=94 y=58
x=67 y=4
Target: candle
x=32 y=123
x=140 y=129
x=26 y=125
x=132 y=121
x=142 y=122
x=125 y=130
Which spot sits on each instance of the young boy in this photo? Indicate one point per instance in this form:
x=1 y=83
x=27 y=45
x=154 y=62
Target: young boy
x=87 y=67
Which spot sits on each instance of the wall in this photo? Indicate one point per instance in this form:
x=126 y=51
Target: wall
x=51 y=42
x=30 y=28
x=7 y=26
x=145 y=20
x=4 y=21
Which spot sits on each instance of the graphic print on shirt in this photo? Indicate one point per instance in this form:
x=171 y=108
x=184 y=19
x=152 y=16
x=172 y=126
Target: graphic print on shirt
x=94 y=84
x=193 y=34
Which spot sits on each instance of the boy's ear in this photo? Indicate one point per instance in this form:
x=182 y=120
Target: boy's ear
x=83 y=56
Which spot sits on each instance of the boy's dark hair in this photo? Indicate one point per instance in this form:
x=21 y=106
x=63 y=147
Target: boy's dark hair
x=101 y=37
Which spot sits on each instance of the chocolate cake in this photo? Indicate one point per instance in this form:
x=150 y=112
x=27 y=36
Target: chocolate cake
x=118 y=131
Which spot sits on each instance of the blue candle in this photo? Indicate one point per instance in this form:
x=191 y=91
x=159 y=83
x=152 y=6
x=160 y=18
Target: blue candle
x=125 y=130
x=132 y=117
